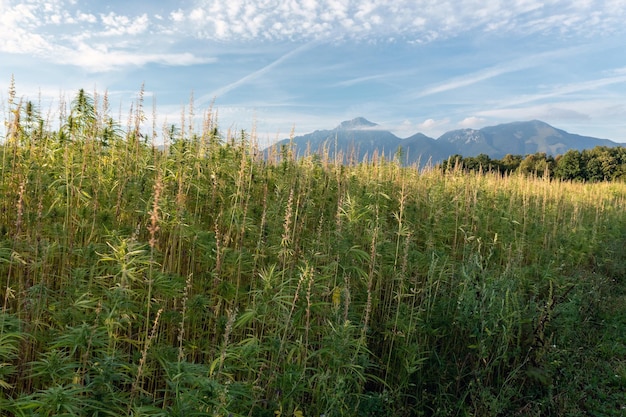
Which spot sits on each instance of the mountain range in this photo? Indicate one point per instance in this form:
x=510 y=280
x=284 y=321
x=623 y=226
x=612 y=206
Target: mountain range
x=359 y=138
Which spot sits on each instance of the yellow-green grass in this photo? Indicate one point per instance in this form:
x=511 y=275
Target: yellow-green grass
x=203 y=279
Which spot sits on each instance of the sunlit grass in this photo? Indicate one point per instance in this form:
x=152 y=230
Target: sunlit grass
x=203 y=279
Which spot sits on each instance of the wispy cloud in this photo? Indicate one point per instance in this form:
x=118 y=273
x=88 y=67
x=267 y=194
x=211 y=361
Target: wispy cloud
x=373 y=77
x=359 y=80
x=495 y=71
x=473 y=78
x=551 y=112
x=566 y=89
x=254 y=75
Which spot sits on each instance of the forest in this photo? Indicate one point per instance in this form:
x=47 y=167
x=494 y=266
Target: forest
x=599 y=164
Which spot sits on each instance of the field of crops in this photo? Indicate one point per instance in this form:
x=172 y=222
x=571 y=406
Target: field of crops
x=203 y=279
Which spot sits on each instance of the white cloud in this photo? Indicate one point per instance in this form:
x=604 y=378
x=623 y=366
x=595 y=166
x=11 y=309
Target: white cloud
x=45 y=28
x=472 y=122
x=118 y=25
x=195 y=15
x=419 y=20
x=428 y=124
x=86 y=17
x=179 y=15
x=101 y=59
x=429 y=127
x=434 y=127
x=17 y=30
x=56 y=31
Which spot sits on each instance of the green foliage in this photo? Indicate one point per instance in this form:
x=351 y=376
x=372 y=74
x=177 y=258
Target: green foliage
x=201 y=279
x=10 y=338
x=591 y=165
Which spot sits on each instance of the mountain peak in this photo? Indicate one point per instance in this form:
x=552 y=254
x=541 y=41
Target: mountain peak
x=356 y=124
x=463 y=136
x=360 y=138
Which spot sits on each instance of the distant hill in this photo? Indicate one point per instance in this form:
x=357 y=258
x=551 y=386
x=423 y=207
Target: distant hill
x=354 y=139
x=359 y=138
x=519 y=138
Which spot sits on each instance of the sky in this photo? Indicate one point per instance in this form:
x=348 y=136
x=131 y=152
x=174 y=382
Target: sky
x=281 y=67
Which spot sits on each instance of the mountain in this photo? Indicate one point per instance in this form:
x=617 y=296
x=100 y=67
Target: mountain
x=354 y=139
x=359 y=138
x=519 y=138
x=422 y=150
x=358 y=123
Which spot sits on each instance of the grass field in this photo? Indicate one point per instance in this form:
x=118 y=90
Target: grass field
x=205 y=280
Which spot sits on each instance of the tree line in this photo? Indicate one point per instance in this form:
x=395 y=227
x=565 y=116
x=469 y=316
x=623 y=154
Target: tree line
x=601 y=163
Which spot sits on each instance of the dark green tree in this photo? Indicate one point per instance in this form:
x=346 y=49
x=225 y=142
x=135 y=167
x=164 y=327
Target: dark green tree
x=510 y=163
x=570 y=166
x=453 y=161
x=538 y=164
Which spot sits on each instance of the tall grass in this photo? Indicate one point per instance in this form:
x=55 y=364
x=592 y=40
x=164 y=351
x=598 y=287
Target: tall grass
x=203 y=279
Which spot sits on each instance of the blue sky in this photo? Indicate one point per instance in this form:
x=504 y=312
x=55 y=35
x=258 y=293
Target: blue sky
x=275 y=65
